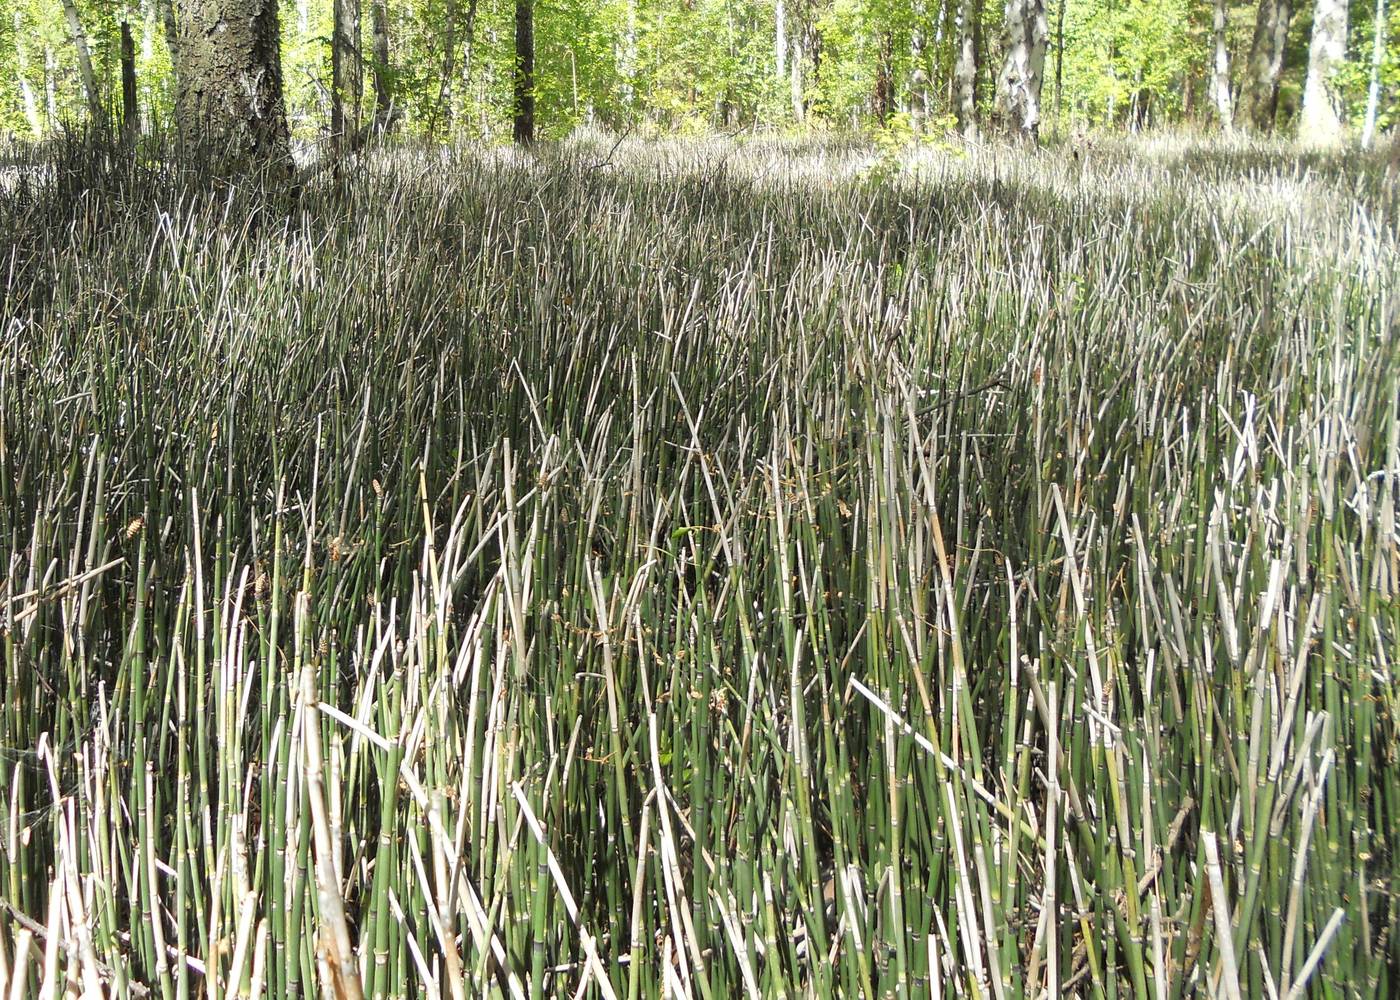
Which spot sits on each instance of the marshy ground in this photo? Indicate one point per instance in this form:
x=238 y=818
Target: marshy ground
x=708 y=569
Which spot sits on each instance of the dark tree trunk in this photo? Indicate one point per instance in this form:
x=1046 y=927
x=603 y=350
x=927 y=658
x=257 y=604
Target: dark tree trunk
x=172 y=33
x=468 y=48
x=345 y=69
x=1266 y=51
x=383 y=83
x=229 y=87
x=449 y=66
x=131 y=115
x=524 y=72
x=1060 y=61
x=884 y=81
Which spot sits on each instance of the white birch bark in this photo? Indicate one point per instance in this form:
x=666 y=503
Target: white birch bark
x=50 y=87
x=26 y=92
x=965 y=71
x=1220 y=72
x=1018 y=90
x=1373 y=95
x=1321 y=123
x=75 y=28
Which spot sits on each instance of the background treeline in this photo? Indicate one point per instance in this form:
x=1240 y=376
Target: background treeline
x=446 y=67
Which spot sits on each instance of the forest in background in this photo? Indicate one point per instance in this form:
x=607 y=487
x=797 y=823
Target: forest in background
x=446 y=68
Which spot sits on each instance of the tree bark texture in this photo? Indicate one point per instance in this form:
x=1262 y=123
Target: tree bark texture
x=345 y=69
x=26 y=91
x=1259 y=100
x=229 y=85
x=524 y=72
x=1023 y=73
x=131 y=115
x=172 y=32
x=1321 y=123
x=1220 y=69
x=80 y=43
x=884 y=80
x=965 y=69
x=383 y=83
x=1373 y=92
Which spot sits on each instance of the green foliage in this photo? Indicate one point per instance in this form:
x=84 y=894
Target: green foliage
x=1354 y=78
x=1118 y=52
x=698 y=65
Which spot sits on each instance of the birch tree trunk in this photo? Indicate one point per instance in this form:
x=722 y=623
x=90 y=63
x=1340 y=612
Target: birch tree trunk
x=1018 y=90
x=26 y=92
x=50 y=86
x=229 y=87
x=346 y=76
x=1373 y=95
x=80 y=43
x=524 y=123
x=1321 y=123
x=1266 y=50
x=965 y=70
x=1220 y=71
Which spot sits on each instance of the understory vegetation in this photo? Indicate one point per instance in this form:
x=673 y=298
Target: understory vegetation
x=703 y=569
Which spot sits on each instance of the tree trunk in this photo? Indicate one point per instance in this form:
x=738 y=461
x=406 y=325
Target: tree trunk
x=1060 y=63
x=799 y=107
x=449 y=67
x=75 y=28
x=780 y=40
x=919 y=78
x=345 y=69
x=1266 y=51
x=26 y=92
x=965 y=70
x=1220 y=70
x=50 y=84
x=383 y=85
x=1321 y=123
x=229 y=88
x=884 y=81
x=468 y=47
x=524 y=72
x=172 y=33
x=627 y=57
x=1018 y=91
x=131 y=115
x=1373 y=95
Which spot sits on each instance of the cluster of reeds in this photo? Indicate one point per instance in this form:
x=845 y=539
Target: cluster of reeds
x=705 y=569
